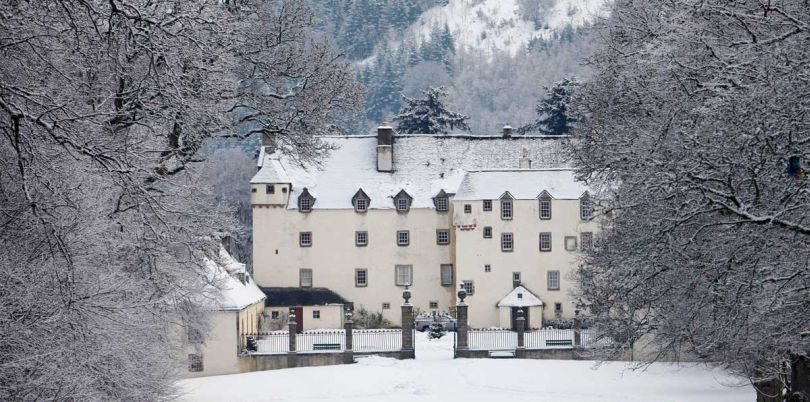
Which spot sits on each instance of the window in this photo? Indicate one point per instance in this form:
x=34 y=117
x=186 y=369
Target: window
x=274 y=315
x=467 y=208
x=386 y=306
x=443 y=236
x=570 y=243
x=487 y=268
x=404 y=275
x=253 y=190
x=305 y=200
x=553 y=280
x=316 y=314
x=487 y=232
x=305 y=277
x=447 y=274
x=195 y=362
x=585 y=207
x=434 y=304
x=558 y=310
x=360 y=201
x=402 y=201
x=545 y=207
x=441 y=204
x=360 y=238
x=270 y=189
x=305 y=239
x=507 y=242
x=545 y=241
x=360 y=277
x=402 y=204
x=586 y=240
x=469 y=287
x=487 y=205
x=516 y=277
x=194 y=335
x=403 y=237
x=506 y=208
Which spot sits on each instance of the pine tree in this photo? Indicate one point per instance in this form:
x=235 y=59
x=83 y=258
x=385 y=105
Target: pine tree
x=555 y=118
x=429 y=115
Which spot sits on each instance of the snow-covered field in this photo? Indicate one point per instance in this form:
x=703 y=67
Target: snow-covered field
x=436 y=376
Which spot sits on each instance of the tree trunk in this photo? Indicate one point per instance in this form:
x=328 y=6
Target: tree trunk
x=799 y=379
x=769 y=390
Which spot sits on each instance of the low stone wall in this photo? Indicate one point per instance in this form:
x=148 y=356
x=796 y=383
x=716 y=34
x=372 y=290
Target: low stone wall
x=262 y=362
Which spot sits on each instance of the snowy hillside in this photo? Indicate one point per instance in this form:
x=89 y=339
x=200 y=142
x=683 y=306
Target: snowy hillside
x=508 y=25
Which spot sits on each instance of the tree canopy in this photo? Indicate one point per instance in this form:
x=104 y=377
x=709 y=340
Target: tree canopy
x=429 y=115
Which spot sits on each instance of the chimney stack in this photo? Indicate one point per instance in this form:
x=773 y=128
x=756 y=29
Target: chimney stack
x=525 y=162
x=507 y=131
x=385 y=148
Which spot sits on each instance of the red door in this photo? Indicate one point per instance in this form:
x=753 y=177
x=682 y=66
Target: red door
x=299 y=318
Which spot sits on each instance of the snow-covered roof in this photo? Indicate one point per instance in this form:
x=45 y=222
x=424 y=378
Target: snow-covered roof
x=423 y=165
x=522 y=184
x=520 y=297
x=227 y=292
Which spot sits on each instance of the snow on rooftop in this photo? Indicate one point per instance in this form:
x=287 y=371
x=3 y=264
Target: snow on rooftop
x=423 y=165
x=522 y=184
x=520 y=297
x=229 y=293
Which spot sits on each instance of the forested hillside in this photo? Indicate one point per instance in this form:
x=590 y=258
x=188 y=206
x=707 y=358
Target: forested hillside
x=496 y=57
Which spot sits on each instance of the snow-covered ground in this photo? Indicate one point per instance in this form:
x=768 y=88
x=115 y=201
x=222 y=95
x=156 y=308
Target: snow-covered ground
x=436 y=376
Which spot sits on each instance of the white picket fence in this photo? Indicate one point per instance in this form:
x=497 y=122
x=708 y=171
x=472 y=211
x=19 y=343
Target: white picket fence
x=506 y=339
x=330 y=340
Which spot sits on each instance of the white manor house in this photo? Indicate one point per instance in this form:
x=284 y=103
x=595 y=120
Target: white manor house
x=499 y=215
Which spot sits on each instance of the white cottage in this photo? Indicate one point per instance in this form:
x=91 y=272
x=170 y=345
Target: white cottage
x=434 y=212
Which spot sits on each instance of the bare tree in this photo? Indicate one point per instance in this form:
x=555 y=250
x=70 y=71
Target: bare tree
x=104 y=106
x=692 y=115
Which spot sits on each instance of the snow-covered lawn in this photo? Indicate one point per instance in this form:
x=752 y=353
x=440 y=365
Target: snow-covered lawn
x=436 y=376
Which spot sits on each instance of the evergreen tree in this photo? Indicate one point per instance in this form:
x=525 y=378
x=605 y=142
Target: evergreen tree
x=555 y=117
x=436 y=330
x=429 y=115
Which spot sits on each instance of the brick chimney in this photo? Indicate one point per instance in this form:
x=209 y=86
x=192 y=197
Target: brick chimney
x=385 y=148
x=507 y=131
x=525 y=162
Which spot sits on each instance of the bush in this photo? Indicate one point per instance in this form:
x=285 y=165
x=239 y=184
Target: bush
x=436 y=331
x=363 y=319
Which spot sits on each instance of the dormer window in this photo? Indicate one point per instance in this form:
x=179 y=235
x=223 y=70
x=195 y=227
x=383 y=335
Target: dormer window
x=585 y=207
x=361 y=201
x=545 y=205
x=402 y=201
x=305 y=201
x=506 y=207
x=441 y=201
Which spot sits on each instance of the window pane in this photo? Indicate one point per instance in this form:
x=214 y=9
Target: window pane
x=585 y=208
x=443 y=237
x=545 y=241
x=545 y=209
x=305 y=278
x=403 y=238
x=506 y=242
x=404 y=275
x=586 y=240
x=487 y=232
x=553 y=280
x=361 y=277
x=468 y=287
x=506 y=209
x=447 y=274
x=487 y=205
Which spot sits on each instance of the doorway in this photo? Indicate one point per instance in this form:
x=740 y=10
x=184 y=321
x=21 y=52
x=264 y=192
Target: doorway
x=515 y=316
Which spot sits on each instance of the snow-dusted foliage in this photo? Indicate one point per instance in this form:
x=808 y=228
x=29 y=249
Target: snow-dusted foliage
x=693 y=113
x=428 y=115
x=555 y=117
x=104 y=228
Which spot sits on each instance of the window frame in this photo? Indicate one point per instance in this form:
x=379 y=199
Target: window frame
x=553 y=277
x=540 y=242
x=357 y=272
x=557 y=309
x=571 y=238
x=402 y=204
x=442 y=204
x=409 y=270
x=583 y=244
x=467 y=208
x=487 y=268
x=434 y=305
x=316 y=314
x=301 y=236
x=275 y=315
x=407 y=234
x=195 y=363
x=585 y=205
x=439 y=233
x=544 y=201
x=487 y=229
x=301 y=276
x=511 y=240
x=358 y=208
x=511 y=209
x=487 y=205
x=357 y=234
x=442 y=268
x=386 y=306
x=270 y=189
x=469 y=287
x=517 y=276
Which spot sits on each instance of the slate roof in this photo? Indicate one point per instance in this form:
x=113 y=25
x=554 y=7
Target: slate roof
x=423 y=165
x=295 y=296
x=522 y=184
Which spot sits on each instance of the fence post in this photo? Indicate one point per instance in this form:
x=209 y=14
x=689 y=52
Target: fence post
x=348 y=354
x=462 y=327
x=577 y=331
x=292 y=356
x=520 y=321
x=407 y=351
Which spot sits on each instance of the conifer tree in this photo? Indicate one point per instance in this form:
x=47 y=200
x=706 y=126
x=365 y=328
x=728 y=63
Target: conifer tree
x=554 y=115
x=428 y=115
